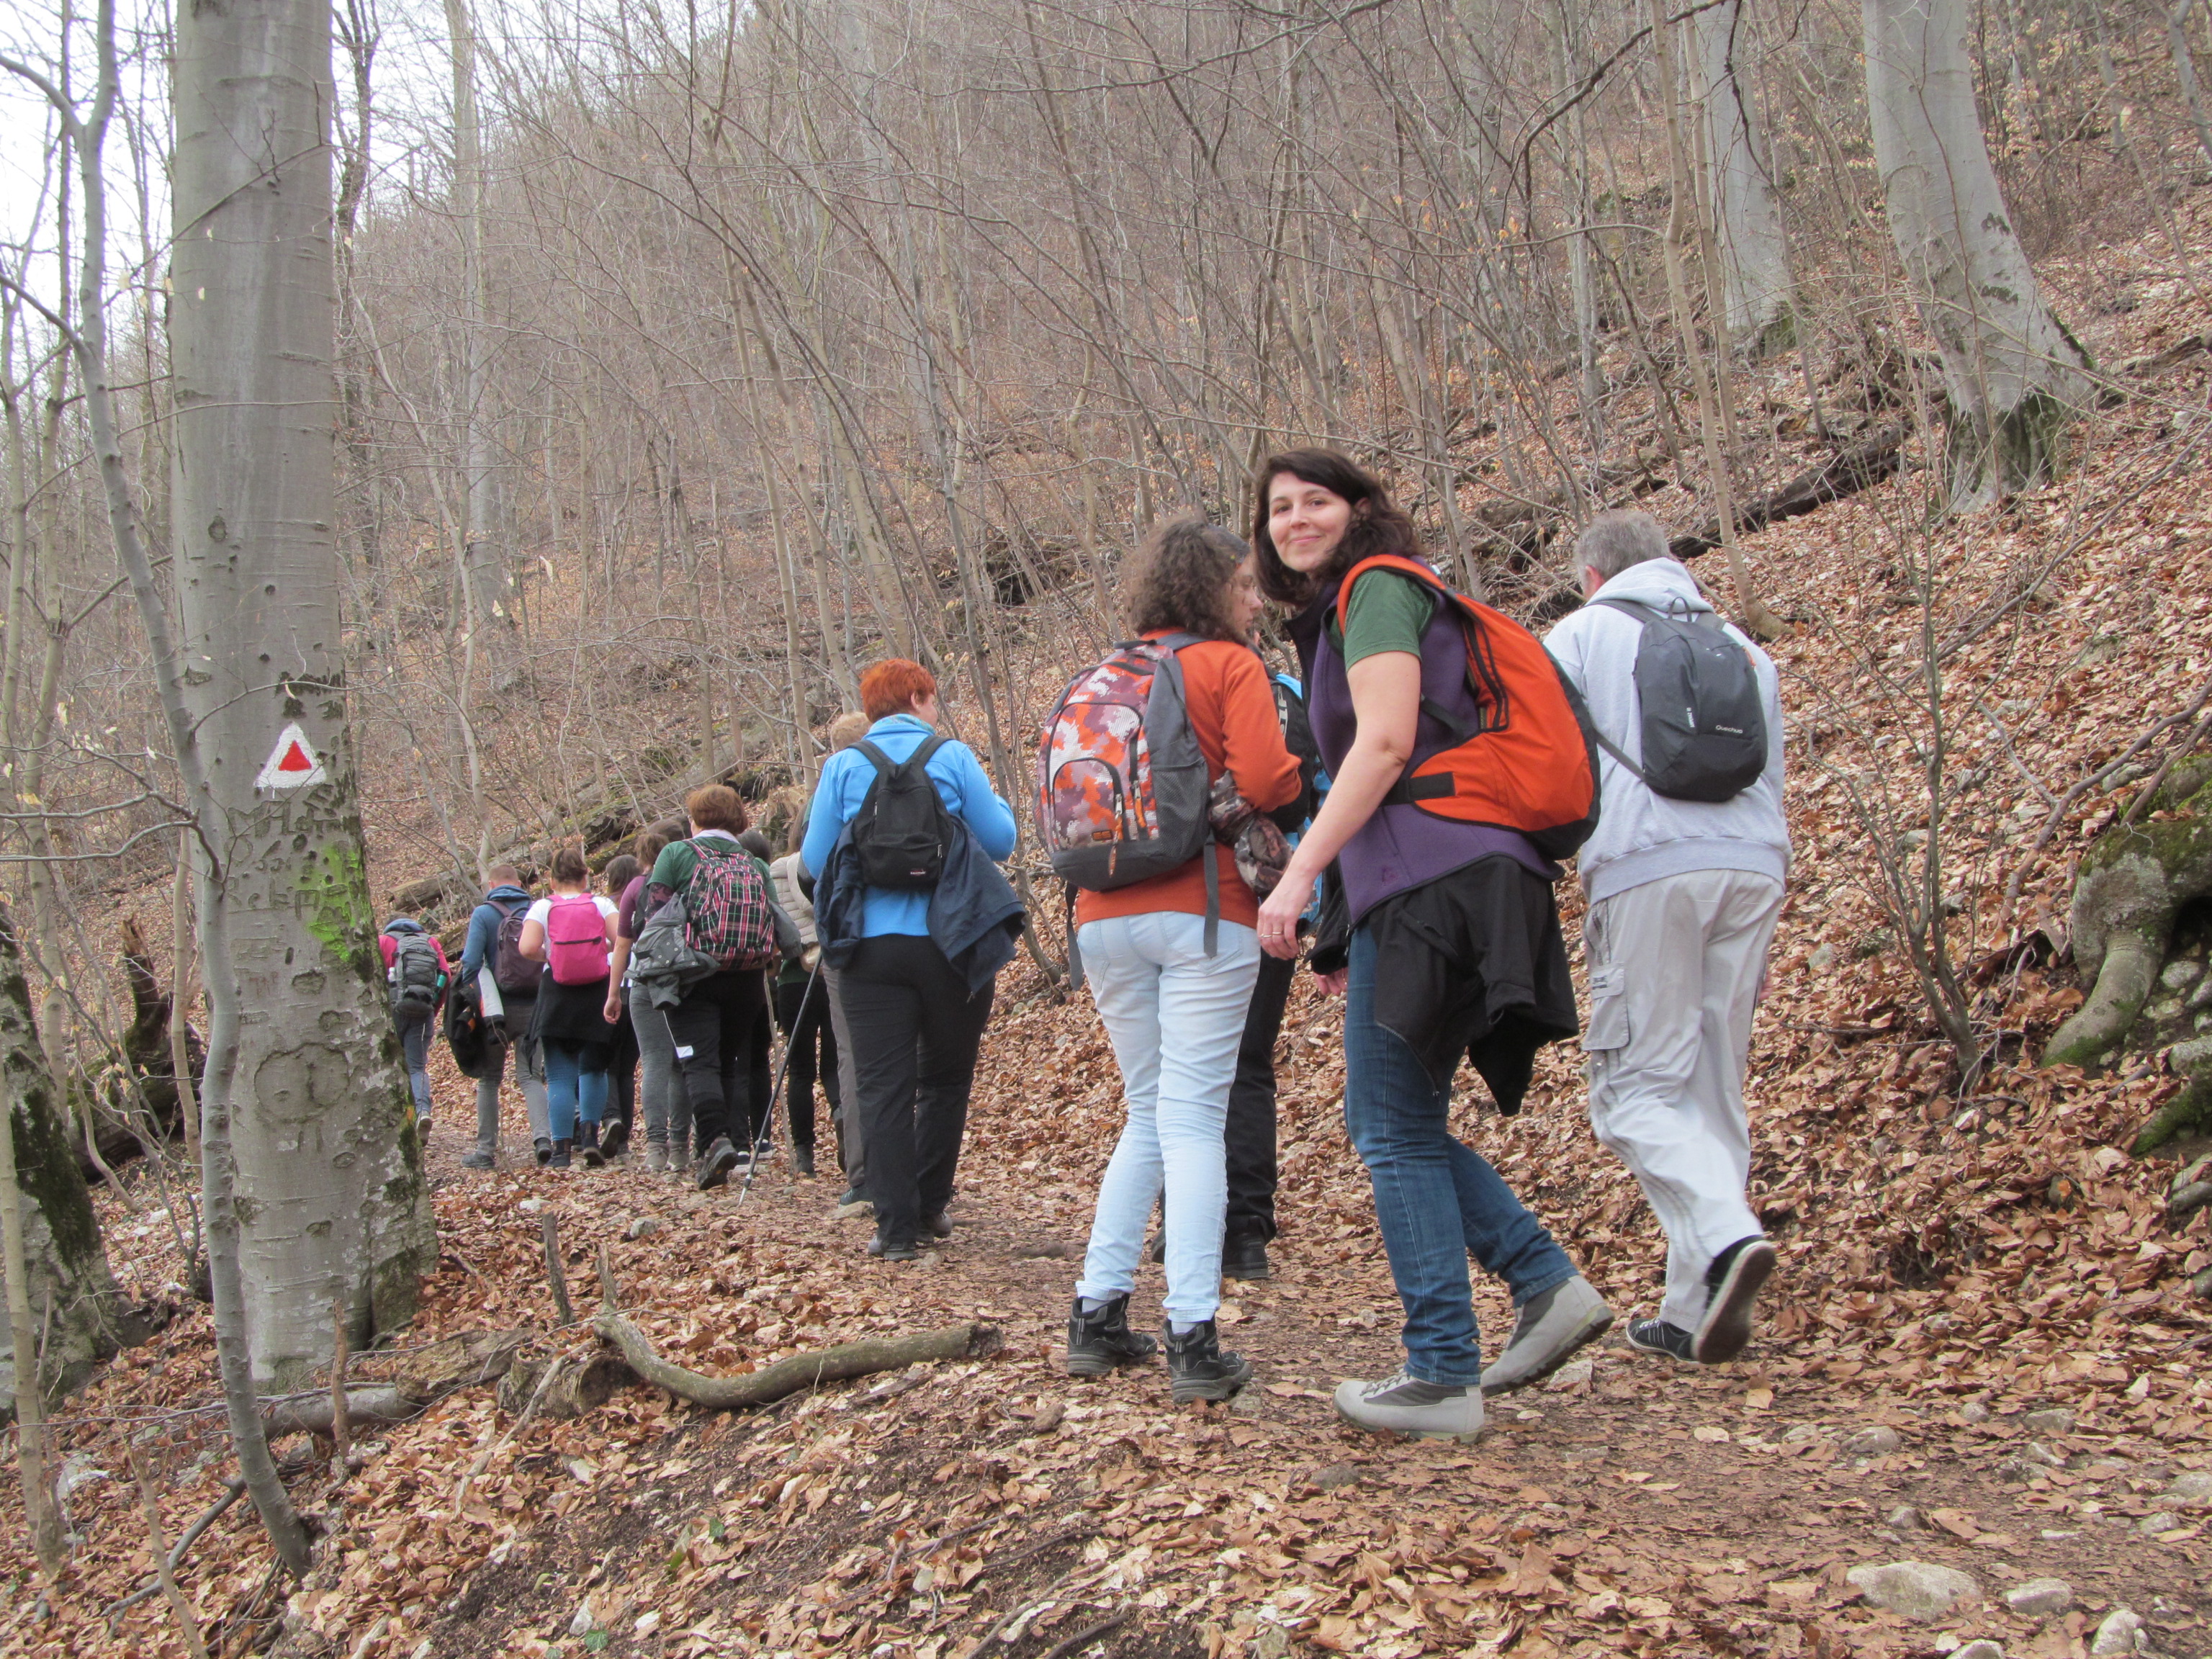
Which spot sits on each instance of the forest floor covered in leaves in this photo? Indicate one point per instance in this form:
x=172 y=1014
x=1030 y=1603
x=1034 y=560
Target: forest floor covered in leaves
x=1981 y=1350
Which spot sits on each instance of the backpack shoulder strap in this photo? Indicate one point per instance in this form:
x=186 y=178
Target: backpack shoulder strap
x=1177 y=639
x=875 y=757
x=918 y=761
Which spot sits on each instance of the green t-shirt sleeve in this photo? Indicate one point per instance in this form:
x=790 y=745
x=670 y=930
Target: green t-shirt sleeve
x=673 y=867
x=1387 y=612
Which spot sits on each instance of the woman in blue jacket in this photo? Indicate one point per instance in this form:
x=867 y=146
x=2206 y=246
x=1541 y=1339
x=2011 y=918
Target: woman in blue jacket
x=915 y=1024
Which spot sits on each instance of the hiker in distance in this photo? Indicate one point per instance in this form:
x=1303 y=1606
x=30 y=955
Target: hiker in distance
x=1685 y=877
x=1163 y=923
x=1453 y=933
x=902 y=837
x=492 y=948
x=415 y=969
x=569 y=932
x=661 y=1090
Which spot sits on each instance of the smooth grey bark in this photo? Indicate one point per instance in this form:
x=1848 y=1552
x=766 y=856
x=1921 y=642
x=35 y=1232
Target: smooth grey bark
x=2013 y=374
x=1747 y=210
x=483 y=560
x=302 y=1084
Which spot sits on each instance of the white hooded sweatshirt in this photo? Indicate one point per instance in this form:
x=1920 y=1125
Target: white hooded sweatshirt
x=1641 y=836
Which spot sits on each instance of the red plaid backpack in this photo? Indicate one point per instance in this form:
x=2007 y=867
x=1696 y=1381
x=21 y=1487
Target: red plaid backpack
x=727 y=905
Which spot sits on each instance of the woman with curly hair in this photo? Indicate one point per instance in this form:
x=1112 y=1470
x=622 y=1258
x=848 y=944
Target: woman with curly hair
x=1174 y=1008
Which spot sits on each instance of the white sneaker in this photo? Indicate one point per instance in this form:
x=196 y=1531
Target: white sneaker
x=1550 y=1327
x=656 y=1157
x=1405 y=1404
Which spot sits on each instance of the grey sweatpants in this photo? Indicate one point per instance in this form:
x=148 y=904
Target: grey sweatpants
x=1676 y=967
x=660 y=1088
x=847 y=1114
x=530 y=1076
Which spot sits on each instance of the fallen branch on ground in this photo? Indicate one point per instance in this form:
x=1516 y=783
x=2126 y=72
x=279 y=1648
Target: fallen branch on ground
x=967 y=1340
x=1846 y=472
x=428 y=1376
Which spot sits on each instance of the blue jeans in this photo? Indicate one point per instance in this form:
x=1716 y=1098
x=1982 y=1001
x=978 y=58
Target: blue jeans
x=416 y=1025
x=1175 y=1016
x=571 y=1091
x=1437 y=1200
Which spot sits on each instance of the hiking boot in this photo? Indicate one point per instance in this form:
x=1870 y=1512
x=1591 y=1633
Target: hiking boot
x=1097 y=1342
x=1400 y=1404
x=1732 y=1285
x=542 y=1149
x=879 y=1246
x=936 y=1224
x=1657 y=1336
x=714 y=1168
x=854 y=1206
x=802 y=1160
x=587 y=1146
x=1198 y=1369
x=656 y=1158
x=479 y=1159
x=1245 y=1258
x=1552 y=1325
x=616 y=1141
x=558 y=1159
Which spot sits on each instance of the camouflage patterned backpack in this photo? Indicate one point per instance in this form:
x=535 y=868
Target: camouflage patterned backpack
x=1121 y=784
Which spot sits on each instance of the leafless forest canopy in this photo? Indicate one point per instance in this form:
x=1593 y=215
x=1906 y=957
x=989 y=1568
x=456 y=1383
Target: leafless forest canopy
x=689 y=359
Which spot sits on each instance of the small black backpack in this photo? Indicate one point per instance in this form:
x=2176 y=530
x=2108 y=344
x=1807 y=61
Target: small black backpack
x=1704 y=724
x=902 y=832
x=416 y=976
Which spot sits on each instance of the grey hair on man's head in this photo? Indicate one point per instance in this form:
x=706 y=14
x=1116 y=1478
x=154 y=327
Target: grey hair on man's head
x=1612 y=542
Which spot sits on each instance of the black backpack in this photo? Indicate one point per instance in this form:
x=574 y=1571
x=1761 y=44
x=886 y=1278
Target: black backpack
x=416 y=979
x=902 y=832
x=1704 y=724
x=514 y=974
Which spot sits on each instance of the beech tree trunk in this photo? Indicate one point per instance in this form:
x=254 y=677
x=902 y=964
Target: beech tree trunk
x=304 y=1103
x=67 y=1292
x=1747 y=211
x=2012 y=372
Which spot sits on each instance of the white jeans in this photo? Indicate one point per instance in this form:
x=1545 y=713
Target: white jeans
x=1675 y=966
x=1175 y=1016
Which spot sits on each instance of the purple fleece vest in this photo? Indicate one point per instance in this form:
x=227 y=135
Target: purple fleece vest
x=1400 y=847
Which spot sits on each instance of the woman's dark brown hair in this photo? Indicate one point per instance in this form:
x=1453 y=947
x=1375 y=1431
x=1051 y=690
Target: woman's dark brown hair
x=616 y=875
x=568 y=866
x=1378 y=525
x=1181 y=579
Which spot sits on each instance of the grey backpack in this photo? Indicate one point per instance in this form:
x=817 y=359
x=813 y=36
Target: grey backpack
x=1704 y=724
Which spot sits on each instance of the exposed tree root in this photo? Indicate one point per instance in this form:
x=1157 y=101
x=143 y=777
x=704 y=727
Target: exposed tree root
x=805 y=1371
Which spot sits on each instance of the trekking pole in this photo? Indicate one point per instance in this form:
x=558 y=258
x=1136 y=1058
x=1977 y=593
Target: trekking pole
x=777 y=1088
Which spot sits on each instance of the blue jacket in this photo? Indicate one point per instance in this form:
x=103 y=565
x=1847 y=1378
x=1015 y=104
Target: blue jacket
x=973 y=915
x=481 y=948
x=962 y=784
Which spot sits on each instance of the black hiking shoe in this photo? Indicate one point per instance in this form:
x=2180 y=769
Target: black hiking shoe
x=479 y=1159
x=802 y=1160
x=1245 y=1258
x=880 y=1246
x=1733 y=1283
x=543 y=1150
x=587 y=1146
x=616 y=1141
x=1657 y=1336
x=714 y=1168
x=559 y=1157
x=1198 y=1369
x=1097 y=1342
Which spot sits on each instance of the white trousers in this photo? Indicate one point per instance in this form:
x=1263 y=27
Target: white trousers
x=1675 y=966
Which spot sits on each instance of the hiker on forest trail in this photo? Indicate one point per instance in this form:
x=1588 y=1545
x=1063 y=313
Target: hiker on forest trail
x=494 y=925
x=570 y=931
x=1147 y=755
x=622 y=1061
x=760 y=1041
x=802 y=1008
x=902 y=837
x=725 y=893
x=660 y=1089
x=415 y=969
x=1685 y=877
x=1453 y=943
x=848 y=729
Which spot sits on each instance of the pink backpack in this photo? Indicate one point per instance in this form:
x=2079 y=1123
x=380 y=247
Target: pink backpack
x=576 y=940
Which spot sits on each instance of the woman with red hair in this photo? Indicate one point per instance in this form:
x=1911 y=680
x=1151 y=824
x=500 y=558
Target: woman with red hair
x=915 y=1024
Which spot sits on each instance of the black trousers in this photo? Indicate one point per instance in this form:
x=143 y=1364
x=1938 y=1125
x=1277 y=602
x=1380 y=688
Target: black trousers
x=915 y=1032
x=760 y=1075
x=622 y=1072
x=811 y=1042
x=711 y=1027
x=1249 y=1133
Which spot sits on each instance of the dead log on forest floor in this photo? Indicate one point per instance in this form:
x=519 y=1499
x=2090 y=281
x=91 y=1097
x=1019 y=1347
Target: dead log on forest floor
x=967 y=1340
x=425 y=1378
x=1846 y=472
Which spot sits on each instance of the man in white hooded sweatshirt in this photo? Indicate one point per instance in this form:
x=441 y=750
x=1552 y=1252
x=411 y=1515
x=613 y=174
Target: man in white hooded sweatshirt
x=1684 y=897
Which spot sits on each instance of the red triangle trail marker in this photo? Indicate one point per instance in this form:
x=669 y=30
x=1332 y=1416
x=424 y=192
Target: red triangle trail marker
x=293 y=763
